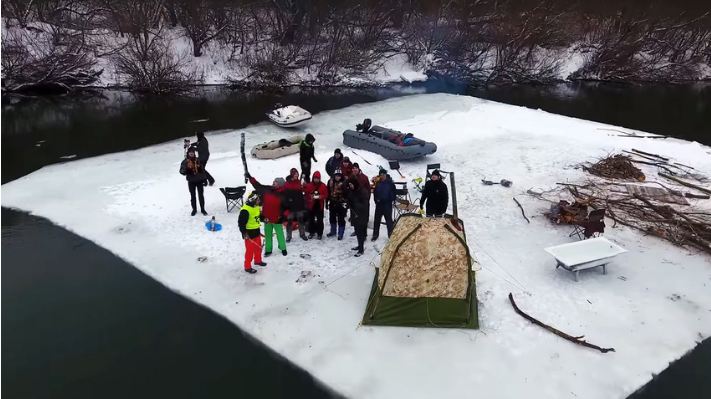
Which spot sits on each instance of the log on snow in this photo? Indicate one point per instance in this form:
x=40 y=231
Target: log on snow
x=684 y=183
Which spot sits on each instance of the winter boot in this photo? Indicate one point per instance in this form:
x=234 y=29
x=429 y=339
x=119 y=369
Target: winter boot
x=355 y=249
x=359 y=253
x=250 y=270
x=204 y=213
x=260 y=264
x=267 y=254
x=375 y=238
x=333 y=231
x=283 y=252
x=303 y=237
x=320 y=237
x=193 y=213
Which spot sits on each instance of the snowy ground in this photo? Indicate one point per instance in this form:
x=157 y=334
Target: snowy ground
x=652 y=306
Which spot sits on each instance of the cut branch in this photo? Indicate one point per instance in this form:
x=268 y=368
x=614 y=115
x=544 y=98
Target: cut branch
x=576 y=340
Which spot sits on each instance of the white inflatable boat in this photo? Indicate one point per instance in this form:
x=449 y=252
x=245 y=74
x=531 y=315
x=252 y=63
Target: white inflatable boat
x=277 y=148
x=289 y=116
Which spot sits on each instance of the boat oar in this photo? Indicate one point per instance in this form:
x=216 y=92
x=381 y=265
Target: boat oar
x=366 y=161
x=395 y=165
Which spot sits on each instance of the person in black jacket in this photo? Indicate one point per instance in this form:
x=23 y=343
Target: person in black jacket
x=203 y=151
x=384 y=196
x=306 y=154
x=334 y=162
x=436 y=195
x=194 y=173
x=360 y=209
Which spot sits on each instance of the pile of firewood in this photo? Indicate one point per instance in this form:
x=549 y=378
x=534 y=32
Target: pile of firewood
x=678 y=224
x=616 y=166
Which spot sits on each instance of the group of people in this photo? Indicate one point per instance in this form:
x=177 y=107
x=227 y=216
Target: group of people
x=300 y=200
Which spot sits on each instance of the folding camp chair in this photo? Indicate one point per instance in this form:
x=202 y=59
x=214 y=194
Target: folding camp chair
x=403 y=202
x=233 y=196
x=592 y=226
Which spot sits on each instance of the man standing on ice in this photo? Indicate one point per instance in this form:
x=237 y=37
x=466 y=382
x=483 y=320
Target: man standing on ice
x=360 y=209
x=384 y=196
x=316 y=196
x=195 y=175
x=271 y=212
x=249 y=223
x=334 y=162
x=436 y=195
x=306 y=154
x=294 y=205
x=337 y=204
x=363 y=186
x=203 y=151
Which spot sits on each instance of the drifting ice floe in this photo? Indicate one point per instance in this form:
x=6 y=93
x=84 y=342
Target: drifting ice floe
x=652 y=306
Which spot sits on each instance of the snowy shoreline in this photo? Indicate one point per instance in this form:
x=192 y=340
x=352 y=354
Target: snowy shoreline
x=134 y=204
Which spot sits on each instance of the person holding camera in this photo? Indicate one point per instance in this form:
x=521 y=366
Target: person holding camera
x=195 y=174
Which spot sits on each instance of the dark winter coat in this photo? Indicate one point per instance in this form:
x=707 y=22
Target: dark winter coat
x=306 y=151
x=271 y=201
x=310 y=189
x=293 y=199
x=363 y=184
x=436 y=195
x=203 y=150
x=384 y=193
x=358 y=202
x=333 y=164
x=193 y=170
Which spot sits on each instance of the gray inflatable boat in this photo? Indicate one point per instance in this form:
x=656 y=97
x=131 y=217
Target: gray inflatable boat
x=391 y=144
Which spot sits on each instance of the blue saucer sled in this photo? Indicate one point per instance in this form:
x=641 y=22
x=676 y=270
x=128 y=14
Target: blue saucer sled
x=208 y=226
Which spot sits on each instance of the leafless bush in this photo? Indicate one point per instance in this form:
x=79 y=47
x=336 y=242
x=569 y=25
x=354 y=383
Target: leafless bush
x=33 y=61
x=203 y=21
x=150 y=66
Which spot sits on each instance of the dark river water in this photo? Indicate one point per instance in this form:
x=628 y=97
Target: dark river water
x=79 y=322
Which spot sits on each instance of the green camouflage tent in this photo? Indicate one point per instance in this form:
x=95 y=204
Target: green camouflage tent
x=425 y=277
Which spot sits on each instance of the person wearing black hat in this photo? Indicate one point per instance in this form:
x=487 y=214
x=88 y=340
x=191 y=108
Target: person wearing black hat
x=337 y=204
x=384 y=196
x=436 y=195
x=203 y=152
x=306 y=154
x=194 y=173
x=360 y=209
x=334 y=162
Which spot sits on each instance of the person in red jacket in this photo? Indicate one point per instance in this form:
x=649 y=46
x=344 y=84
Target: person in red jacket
x=346 y=168
x=272 y=213
x=316 y=194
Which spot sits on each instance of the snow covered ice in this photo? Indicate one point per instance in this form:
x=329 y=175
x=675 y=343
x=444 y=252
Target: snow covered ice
x=652 y=306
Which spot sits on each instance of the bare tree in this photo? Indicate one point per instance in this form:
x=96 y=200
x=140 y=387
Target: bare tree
x=203 y=21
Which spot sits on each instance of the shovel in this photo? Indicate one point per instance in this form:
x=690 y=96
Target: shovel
x=395 y=165
x=503 y=182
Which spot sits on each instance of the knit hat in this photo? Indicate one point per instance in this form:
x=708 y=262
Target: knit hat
x=338 y=172
x=292 y=171
x=252 y=199
x=337 y=151
x=310 y=138
x=317 y=175
x=382 y=172
x=436 y=173
x=355 y=165
x=279 y=182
